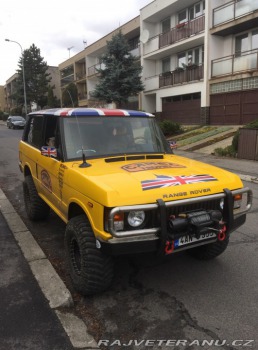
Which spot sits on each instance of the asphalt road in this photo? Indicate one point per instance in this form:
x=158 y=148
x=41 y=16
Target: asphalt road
x=175 y=303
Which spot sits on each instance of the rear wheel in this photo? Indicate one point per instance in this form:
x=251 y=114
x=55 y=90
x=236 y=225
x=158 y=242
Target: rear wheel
x=35 y=207
x=208 y=251
x=91 y=271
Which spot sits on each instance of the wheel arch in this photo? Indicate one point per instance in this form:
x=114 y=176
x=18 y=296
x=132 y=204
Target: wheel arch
x=75 y=210
x=27 y=171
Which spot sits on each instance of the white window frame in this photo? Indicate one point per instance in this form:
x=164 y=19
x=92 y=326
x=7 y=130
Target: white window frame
x=188 y=9
x=190 y=56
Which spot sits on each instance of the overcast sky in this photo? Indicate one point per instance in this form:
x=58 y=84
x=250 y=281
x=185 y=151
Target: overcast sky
x=55 y=25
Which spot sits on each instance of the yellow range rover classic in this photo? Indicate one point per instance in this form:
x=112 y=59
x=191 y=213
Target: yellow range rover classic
x=112 y=177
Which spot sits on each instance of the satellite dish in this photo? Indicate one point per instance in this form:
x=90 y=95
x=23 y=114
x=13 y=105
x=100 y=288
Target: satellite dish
x=144 y=37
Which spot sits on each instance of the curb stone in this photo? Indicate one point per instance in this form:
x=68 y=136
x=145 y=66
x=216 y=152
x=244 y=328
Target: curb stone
x=248 y=178
x=57 y=294
x=49 y=281
x=77 y=331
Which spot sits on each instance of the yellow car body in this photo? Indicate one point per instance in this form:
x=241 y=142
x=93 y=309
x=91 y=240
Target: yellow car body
x=143 y=199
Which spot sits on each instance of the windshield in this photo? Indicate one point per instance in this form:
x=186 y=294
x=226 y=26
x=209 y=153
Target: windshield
x=17 y=118
x=108 y=136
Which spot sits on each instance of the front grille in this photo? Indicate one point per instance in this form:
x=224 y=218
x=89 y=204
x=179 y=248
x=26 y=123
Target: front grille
x=205 y=205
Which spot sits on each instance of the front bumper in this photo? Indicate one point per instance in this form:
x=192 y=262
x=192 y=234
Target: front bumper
x=155 y=238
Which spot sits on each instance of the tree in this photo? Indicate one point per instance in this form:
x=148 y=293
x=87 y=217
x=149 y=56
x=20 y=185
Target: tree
x=36 y=77
x=120 y=77
x=52 y=101
x=70 y=96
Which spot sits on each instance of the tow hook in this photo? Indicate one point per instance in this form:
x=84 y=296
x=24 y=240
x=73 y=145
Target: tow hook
x=169 y=247
x=222 y=233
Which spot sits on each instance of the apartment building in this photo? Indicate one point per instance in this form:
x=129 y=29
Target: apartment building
x=2 y=99
x=81 y=69
x=10 y=88
x=199 y=60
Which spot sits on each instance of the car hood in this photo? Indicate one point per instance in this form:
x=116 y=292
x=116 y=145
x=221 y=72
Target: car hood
x=120 y=181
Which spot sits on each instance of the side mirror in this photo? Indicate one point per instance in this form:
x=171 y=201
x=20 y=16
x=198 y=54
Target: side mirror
x=172 y=145
x=48 y=151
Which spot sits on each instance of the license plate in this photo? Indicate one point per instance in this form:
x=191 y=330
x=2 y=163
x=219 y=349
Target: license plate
x=188 y=239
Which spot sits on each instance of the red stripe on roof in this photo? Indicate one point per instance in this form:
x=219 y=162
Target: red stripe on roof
x=113 y=112
x=65 y=112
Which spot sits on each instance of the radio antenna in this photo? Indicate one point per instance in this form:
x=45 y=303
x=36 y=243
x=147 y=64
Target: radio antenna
x=84 y=164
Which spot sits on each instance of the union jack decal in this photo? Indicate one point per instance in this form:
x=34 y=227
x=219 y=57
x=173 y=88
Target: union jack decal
x=49 y=151
x=167 y=181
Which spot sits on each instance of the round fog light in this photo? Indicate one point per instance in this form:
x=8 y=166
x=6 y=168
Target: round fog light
x=136 y=218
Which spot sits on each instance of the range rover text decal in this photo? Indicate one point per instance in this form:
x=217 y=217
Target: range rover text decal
x=135 y=167
x=167 y=181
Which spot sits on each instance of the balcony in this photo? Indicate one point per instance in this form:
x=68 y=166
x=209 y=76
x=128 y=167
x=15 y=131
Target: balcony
x=93 y=70
x=82 y=99
x=151 y=83
x=91 y=95
x=67 y=80
x=182 y=31
x=152 y=45
x=245 y=62
x=80 y=75
x=234 y=17
x=181 y=75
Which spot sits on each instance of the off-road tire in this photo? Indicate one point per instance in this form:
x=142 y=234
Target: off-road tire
x=91 y=271
x=36 y=208
x=208 y=251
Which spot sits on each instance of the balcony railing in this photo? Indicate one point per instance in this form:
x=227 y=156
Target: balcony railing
x=82 y=96
x=232 y=10
x=80 y=75
x=241 y=62
x=67 y=80
x=181 y=75
x=182 y=31
x=151 y=83
x=94 y=69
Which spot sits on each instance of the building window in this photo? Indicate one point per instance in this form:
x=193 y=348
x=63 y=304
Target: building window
x=192 y=12
x=241 y=43
x=166 y=25
x=246 y=42
x=190 y=57
x=182 y=16
x=255 y=39
x=182 y=98
x=133 y=43
x=166 y=65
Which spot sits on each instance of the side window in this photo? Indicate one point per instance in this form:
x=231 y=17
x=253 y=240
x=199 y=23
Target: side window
x=34 y=132
x=50 y=135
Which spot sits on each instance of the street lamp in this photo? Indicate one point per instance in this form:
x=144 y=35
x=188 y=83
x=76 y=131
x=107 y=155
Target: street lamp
x=23 y=75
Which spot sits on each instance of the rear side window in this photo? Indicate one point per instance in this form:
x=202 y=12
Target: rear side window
x=34 y=132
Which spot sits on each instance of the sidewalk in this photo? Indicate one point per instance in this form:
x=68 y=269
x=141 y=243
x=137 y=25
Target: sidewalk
x=246 y=169
x=34 y=302
x=26 y=320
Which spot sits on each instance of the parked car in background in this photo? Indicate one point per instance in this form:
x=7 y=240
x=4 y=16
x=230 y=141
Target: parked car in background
x=15 y=122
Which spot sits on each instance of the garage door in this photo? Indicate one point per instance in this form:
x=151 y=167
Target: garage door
x=234 y=108
x=183 y=109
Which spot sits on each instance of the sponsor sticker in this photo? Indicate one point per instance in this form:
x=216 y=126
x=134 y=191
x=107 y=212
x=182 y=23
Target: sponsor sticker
x=135 y=167
x=46 y=180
